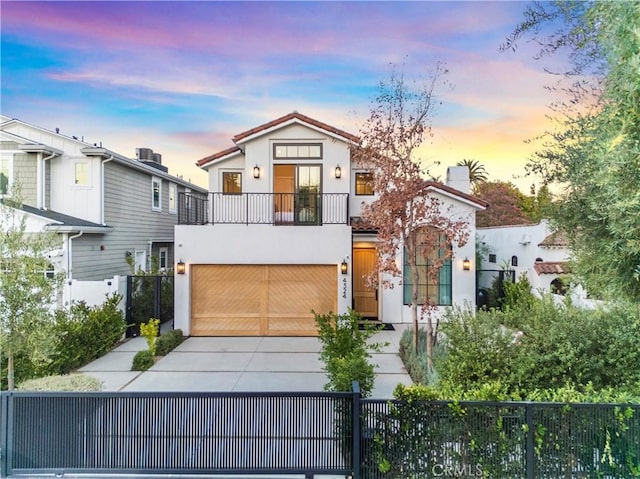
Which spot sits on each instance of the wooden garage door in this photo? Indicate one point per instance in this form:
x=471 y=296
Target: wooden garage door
x=260 y=300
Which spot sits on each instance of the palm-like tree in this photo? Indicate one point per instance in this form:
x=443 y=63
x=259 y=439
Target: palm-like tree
x=477 y=172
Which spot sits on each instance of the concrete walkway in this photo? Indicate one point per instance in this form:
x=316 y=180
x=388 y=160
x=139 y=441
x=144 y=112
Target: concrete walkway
x=240 y=364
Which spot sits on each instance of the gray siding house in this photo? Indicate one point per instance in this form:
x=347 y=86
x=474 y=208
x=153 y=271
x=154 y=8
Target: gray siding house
x=109 y=209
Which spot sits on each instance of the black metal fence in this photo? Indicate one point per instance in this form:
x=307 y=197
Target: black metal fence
x=148 y=296
x=166 y=434
x=303 y=208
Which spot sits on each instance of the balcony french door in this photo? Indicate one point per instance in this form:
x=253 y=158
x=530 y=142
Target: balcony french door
x=298 y=194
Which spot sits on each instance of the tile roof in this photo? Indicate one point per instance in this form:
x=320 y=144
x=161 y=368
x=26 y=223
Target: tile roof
x=302 y=118
x=554 y=239
x=217 y=156
x=453 y=191
x=359 y=225
x=551 y=267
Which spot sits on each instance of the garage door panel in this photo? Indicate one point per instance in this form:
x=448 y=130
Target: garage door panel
x=261 y=299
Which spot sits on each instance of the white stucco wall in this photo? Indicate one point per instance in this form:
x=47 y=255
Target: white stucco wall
x=259 y=244
x=521 y=241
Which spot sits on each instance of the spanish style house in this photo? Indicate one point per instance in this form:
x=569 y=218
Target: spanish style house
x=278 y=236
x=109 y=209
x=535 y=250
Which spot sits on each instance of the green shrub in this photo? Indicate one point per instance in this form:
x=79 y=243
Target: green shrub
x=346 y=351
x=168 y=341
x=69 y=382
x=416 y=362
x=85 y=333
x=142 y=361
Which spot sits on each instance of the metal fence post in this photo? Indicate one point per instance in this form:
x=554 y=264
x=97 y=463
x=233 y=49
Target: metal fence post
x=356 y=429
x=4 y=431
x=530 y=452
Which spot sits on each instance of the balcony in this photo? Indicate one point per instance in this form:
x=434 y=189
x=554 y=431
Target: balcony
x=282 y=209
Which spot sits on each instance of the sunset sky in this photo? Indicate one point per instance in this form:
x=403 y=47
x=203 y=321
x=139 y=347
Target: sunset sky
x=183 y=77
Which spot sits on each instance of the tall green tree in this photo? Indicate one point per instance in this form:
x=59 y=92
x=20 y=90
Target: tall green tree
x=594 y=153
x=27 y=293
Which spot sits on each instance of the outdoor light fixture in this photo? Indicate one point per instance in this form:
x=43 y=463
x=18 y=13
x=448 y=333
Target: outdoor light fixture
x=256 y=172
x=180 y=267
x=338 y=172
x=344 y=267
x=466 y=264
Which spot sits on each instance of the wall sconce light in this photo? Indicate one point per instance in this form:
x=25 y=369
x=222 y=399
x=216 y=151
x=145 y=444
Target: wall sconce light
x=256 y=172
x=338 y=172
x=466 y=264
x=344 y=267
x=181 y=267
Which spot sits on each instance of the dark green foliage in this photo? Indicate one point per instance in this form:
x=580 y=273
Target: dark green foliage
x=168 y=341
x=540 y=345
x=416 y=362
x=346 y=351
x=85 y=333
x=142 y=361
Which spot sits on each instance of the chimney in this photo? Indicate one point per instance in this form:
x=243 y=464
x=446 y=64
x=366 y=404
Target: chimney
x=458 y=178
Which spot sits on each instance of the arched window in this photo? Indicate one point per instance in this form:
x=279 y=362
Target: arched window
x=514 y=261
x=432 y=248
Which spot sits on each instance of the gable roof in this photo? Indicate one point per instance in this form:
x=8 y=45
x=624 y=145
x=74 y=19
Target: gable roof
x=557 y=239
x=289 y=119
x=293 y=117
x=452 y=192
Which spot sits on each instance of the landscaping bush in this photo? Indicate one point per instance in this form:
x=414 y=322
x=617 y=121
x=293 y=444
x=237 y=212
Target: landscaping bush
x=143 y=360
x=346 y=351
x=416 y=362
x=85 y=333
x=69 y=382
x=168 y=341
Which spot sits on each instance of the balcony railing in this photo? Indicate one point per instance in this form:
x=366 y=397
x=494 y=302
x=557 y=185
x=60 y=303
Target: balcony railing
x=302 y=208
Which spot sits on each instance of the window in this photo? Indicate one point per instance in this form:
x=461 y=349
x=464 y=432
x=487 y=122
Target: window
x=5 y=175
x=297 y=194
x=156 y=193
x=492 y=258
x=163 y=258
x=82 y=174
x=364 y=183
x=173 y=197
x=514 y=261
x=231 y=183
x=299 y=151
x=437 y=288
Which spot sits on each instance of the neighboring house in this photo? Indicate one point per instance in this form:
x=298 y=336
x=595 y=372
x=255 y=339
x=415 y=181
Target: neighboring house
x=279 y=235
x=106 y=207
x=534 y=250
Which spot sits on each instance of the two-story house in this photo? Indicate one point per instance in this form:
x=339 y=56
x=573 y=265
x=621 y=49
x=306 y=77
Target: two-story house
x=110 y=210
x=278 y=237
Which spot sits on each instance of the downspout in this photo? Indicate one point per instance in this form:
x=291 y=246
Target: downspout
x=69 y=239
x=42 y=191
x=102 y=215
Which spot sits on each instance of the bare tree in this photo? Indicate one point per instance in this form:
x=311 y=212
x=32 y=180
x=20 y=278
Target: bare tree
x=406 y=213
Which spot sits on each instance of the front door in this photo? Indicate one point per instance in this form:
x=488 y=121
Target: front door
x=365 y=299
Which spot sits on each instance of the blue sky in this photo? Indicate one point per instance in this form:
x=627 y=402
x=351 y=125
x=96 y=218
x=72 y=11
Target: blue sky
x=183 y=77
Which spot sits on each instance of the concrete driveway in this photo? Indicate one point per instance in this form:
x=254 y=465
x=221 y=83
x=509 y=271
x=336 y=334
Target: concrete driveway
x=240 y=364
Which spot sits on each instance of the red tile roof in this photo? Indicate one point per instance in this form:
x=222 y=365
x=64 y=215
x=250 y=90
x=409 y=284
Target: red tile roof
x=551 y=267
x=554 y=239
x=216 y=156
x=300 y=117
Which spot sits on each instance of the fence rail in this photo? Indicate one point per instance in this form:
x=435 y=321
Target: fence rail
x=304 y=208
x=313 y=433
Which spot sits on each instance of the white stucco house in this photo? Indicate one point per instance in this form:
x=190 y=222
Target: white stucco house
x=278 y=236
x=534 y=250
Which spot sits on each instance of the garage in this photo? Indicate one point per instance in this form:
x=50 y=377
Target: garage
x=260 y=300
